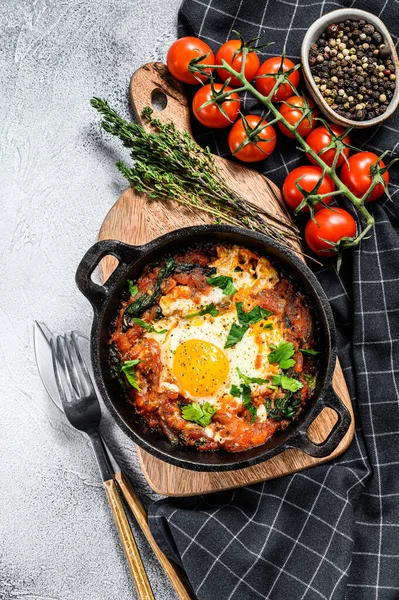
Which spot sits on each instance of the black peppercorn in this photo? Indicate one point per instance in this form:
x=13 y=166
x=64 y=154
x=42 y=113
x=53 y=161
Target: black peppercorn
x=356 y=78
x=385 y=51
x=332 y=30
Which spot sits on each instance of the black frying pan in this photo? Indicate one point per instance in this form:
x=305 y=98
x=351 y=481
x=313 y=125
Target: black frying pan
x=105 y=300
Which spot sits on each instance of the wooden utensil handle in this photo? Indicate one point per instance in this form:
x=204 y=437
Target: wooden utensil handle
x=136 y=566
x=173 y=572
x=155 y=78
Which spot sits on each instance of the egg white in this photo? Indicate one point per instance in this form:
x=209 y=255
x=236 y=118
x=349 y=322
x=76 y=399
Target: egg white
x=175 y=307
x=215 y=330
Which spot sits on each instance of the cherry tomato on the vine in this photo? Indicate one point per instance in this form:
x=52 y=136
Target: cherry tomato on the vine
x=212 y=115
x=180 y=54
x=271 y=66
x=262 y=139
x=308 y=178
x=320 y=138
x=292 y=110
x=332 y=225
x=356 y=175
x=231 y=52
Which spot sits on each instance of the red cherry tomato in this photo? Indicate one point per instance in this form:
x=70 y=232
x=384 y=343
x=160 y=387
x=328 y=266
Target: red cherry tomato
x=181 y=52
x=320 y=137
x=261 y=146
x=292 y=110
x=357 y=177
x=307 y=177
x=332 y=224
x=211 y=115
x=264 y=85
x=230 y=52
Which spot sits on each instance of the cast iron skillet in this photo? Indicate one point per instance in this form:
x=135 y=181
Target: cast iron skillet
x=105 y=301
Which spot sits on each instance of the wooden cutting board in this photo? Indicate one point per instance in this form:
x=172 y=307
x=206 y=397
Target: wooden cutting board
x=135 y=219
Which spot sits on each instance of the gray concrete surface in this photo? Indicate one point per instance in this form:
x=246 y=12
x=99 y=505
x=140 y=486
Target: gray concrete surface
x=58 y=180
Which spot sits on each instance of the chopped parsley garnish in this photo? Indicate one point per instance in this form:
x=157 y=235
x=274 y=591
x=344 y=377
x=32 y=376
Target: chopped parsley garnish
x=129 y=369
x=309 y=351
x=284 y=408
x=235 y=335
x=147 y=326
x=244 y=392
x=235 y=391
x=253 y=316
x=248 y=380
x=202 y=415
x=209 y=309
x=282 y=355
x=224 y=282
x=133 y=288
x=286 y=383
x=247 y=402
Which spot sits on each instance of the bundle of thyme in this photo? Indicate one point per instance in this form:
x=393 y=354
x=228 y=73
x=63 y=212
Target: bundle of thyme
x=169 y=164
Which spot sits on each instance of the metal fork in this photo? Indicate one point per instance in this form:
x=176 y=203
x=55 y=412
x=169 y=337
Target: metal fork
x=82 y=409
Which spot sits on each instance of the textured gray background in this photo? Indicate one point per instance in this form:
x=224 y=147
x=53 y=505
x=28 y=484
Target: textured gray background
x=57 y=181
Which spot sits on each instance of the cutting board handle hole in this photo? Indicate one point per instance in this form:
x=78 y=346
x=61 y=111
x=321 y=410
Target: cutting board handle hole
x=159 y=100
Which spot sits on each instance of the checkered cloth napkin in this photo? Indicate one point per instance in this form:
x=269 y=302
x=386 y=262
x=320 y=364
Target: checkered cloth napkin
x=330 y=532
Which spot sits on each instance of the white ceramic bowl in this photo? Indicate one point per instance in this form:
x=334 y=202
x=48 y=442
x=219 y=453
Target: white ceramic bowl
x=312 y=35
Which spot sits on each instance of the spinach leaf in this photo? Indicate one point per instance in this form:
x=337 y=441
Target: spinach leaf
x=137 y=307
x=129 y=369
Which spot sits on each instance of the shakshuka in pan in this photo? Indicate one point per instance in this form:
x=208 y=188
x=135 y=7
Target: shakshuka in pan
x=215 y=348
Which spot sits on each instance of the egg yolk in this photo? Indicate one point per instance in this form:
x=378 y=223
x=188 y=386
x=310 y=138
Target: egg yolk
x=200 y=367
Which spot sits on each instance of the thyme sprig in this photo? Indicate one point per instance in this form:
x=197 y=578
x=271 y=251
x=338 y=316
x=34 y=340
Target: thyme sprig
x=169 y=164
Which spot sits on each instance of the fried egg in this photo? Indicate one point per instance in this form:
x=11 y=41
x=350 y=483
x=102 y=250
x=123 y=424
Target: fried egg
x=195 y=362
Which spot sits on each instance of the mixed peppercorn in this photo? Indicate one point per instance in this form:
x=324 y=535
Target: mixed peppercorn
x=353 y=68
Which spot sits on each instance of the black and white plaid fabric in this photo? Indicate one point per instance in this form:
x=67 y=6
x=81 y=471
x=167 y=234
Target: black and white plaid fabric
x=331 y=532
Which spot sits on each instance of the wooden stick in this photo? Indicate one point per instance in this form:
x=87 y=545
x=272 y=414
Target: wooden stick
x=136 y=566
x=173 y=572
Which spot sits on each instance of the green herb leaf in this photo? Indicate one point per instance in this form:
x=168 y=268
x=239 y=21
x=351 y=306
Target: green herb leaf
x=129 y=369
x=236 y=334
x=141 y=304
x=311 y=379
x=284 y=408
x=208 y=309
x=247 y=402
x=309 y=351
x=282 y=354
x=286 y=383
x=198 y=414
x=133 y=289
x=235 y=391
x=223 y=282
x=248 y=380
x=147 y=326
x=253 y=316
